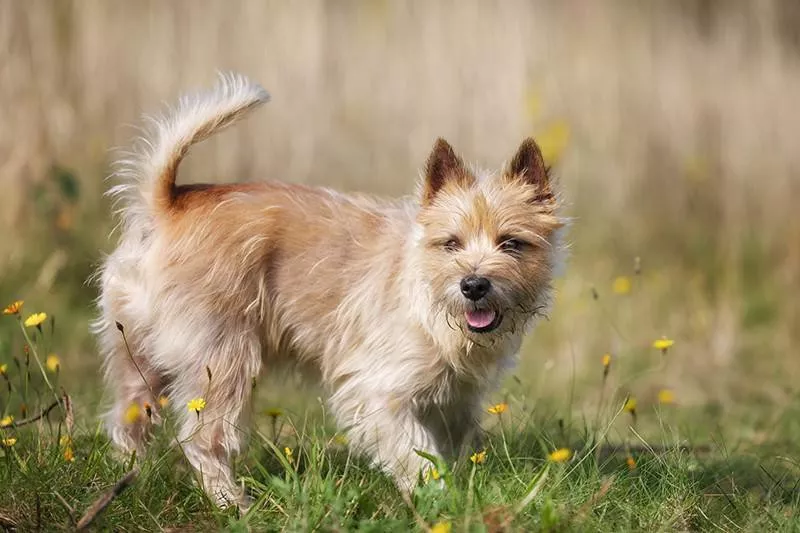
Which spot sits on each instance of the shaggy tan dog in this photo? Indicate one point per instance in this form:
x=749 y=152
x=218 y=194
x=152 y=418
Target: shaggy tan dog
x=410 y=309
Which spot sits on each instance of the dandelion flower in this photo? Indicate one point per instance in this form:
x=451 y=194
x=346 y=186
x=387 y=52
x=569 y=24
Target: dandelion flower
x=35 y=320
x=498 y=409
x=69 y=455
x=631 y=462
x=441 y=527
x=13 y=308
x=65 y=440
x=666 y=397
x=560 y=455
x=196 y=405
x=289 y=455
x=606 y=360
x=8 y=442
x=132 y=413
x=53 y=363
x=630 y=405
x=663 y=344
x=432 y=473
x=478 y=457
x=6 y=421
x=163 y=401
x=621 y=285
x=3 y=369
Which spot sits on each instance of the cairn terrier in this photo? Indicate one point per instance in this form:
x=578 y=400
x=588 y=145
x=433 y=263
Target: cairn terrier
x=411 y=310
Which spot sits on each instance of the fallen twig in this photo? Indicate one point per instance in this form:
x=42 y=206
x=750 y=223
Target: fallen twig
x=102 y=502
x=43 y=413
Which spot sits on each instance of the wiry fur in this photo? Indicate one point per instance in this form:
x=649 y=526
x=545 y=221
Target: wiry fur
x=232 y=278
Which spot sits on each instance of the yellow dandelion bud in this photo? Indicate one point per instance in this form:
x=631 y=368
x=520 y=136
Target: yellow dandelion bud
x=289 y=455
x=666 y=396
x=631 y=462
x=8 y=442
x=35 y=320
x=13 y=308
x=441 y=527
x=498 y=408
x=132 y=413
x=630 y=405
x=274 y=412
x=606 y=360
x=65 y=440
x=478 y=457
x=621 y=285
x=6 y=421
x=560 y=455
x=3 y=369
x=69 y=455
x=53 y=363
x=196 y=405
x=663 y=344
x=163 y=401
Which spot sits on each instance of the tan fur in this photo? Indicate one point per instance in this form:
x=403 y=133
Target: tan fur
x=234 y=278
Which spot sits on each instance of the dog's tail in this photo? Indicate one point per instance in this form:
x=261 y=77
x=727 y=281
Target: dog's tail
x=148 y=173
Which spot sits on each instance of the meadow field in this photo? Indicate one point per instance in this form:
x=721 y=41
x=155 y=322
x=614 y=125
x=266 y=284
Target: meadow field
x=661 y=393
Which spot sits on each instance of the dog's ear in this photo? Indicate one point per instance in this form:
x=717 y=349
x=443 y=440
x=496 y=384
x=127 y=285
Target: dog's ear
x=528 y=165
x=442 y=167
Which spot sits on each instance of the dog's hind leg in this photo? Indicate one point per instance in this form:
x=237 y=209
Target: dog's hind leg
x=210 y=436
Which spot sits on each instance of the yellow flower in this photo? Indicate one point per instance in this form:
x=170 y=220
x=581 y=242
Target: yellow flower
x=65 y=440
x=606 y=360
x=666 y=396
x=288 y=452
x=631 y=462
x=340 y=439
x=553 y=141
x=196 y=405
x=6 y=421
x=132 y=413
x=663 y=344
x=498 y=409
x=630 y=405
x=69 y=455
x=441 y=527
x=3 y=369
x=53 y=363
x=621 y=285
x=35 y=319
x=432 y=474
x=478 y=457
x=163 y=401
x=274 y=412
x=13 y=308
x=560 y=455
x=8 y=442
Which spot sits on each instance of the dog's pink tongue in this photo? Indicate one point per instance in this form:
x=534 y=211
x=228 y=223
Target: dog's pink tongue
x=480 y=318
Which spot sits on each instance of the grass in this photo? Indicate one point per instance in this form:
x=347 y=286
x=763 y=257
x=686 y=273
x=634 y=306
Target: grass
x=629 y=468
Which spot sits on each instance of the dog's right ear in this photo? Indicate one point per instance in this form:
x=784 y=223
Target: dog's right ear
x=442 y=167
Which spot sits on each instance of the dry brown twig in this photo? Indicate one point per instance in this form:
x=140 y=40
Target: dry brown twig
x=102 y=502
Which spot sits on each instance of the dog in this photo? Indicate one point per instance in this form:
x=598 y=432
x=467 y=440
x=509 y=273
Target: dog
x=411 y=310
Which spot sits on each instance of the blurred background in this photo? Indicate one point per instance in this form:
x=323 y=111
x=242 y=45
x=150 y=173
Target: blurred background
x=671 y=126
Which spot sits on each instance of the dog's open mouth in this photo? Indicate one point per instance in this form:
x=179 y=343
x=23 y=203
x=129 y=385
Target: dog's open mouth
x=483 y=320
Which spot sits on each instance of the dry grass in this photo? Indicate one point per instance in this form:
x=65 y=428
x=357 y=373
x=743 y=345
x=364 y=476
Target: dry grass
x=680 y=116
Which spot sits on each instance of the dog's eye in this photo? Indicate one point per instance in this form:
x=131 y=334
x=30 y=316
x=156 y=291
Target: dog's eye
x=452 y=245
x=511 y=245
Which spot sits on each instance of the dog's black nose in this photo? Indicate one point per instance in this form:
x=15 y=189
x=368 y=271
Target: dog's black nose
x=474 y=287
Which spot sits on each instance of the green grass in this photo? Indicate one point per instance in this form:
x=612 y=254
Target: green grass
x=685 y=477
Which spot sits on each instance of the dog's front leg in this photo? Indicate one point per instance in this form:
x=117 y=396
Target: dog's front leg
x=391 y=433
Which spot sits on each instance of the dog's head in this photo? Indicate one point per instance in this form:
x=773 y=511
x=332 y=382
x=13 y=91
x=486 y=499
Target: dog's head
x=488 y=243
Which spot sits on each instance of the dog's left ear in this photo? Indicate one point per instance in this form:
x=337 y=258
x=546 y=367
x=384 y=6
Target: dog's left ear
x=528 y=165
